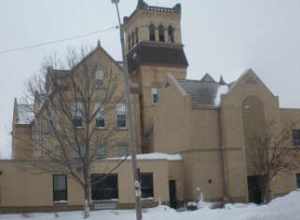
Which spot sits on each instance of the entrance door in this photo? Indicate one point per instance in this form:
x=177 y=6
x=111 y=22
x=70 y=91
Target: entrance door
x=172 y=194
x=254 y=189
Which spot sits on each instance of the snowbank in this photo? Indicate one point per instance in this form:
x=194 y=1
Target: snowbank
x=153 y=156
x=284 y=208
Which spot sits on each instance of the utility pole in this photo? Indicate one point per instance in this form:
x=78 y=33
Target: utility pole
x=131 y=121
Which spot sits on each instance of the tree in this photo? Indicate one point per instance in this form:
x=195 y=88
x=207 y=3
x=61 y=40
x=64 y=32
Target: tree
x=70 y=106
x=270 y=154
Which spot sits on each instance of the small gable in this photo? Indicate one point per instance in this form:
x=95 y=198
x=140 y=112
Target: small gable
x=208 y=78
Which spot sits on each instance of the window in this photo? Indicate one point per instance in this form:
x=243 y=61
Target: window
x=155 y=95
x=132 y=39
x=129 y=42
x=104 y=187
x=298 y=180
x=121 y=115
x=136 y=35
x=161 y=31
x=152 y=32
x=100 y=116
x=123 y=150
x=60 y=192
x=147 y=185
x=77 y=112
x=99 y=76
x=296 y=137
x=171 y=37
x=101 y=151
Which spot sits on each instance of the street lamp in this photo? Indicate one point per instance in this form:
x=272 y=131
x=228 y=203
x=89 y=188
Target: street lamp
x=131 y=123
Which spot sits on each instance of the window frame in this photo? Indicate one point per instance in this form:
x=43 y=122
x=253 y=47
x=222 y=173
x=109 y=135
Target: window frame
x=65 y=191
x=100 y=115
x=121 y=111
x=161 y=34
x=155 y=95
x=298 y=180
x=100 y=155
x=296 y=137
x=105 y=189
x=149 y=189
x=152 y=36
x=77 y=114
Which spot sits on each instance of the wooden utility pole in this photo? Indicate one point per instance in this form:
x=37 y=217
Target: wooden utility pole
x=131 y=124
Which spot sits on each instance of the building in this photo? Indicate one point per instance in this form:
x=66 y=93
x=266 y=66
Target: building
x=193 y=134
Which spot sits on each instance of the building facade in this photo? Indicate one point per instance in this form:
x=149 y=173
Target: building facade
x=193 y=135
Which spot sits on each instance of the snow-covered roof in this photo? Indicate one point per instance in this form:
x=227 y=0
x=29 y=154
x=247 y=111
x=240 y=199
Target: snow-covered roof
x=153 y=156
x=25 y=114
x=205 y=91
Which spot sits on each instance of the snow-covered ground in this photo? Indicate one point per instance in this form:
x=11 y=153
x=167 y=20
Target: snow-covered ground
x=284 y=208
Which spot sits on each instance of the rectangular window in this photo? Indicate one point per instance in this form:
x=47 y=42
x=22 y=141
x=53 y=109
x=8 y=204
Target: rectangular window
x=123 y=150
x=298 y=180
x=60 y=192
x=155 y=95
x=104 y=187
x=296 y=137
x=147 y=185
x=99 y=76
x=121 y=116
x=100 y=116
x=101 y=151
x=77 y=113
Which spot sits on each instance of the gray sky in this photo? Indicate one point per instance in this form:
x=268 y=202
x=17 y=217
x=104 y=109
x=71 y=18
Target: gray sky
x=220 y=36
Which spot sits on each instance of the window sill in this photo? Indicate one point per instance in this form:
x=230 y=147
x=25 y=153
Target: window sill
x=63 y=202
x=101 y=128
x=122 y=129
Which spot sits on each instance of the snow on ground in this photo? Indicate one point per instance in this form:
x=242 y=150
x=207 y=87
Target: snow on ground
x=284 y=208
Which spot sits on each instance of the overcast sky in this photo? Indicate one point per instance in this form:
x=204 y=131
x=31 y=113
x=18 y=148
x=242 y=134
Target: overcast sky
x=220 y=36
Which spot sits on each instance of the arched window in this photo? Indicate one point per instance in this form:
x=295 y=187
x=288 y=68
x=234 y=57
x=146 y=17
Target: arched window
x=161 y=31
x=171 y=37
x=152 y=32
x=136 y=35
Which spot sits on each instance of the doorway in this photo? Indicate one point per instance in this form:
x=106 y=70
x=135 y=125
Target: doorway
x=254 y=189
x=172 y=194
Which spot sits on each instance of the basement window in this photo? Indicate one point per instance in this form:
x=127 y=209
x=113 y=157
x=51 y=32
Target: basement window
x=60 y=192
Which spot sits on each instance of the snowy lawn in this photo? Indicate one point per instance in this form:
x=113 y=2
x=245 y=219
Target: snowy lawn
x=284 y=208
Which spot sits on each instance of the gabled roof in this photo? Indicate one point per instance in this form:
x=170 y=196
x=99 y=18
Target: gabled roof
x=205 y=91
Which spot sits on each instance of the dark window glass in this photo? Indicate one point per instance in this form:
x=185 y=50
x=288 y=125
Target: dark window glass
x=104 y=187
x=101 y=151
x=60 y=192
x=296 y=137
x=152 y=32
x=161 y=31
x=298 y=180
x=147 y=185
x=137 y=35
x=121 y=116
x=171 y=34
x=77 y=121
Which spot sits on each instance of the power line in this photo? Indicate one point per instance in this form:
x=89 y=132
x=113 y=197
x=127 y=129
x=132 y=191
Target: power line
x=58 y=41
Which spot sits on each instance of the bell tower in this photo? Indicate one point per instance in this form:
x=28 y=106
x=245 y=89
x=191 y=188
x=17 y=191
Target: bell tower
x=154 y=49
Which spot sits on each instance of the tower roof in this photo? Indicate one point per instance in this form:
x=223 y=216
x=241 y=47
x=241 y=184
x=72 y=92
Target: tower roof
x=142 y=5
